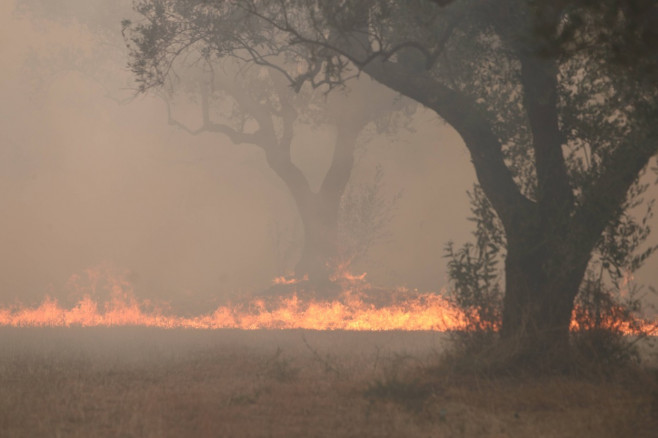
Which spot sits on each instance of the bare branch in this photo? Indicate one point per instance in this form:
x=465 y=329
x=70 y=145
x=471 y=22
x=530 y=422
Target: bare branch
x=235 y=136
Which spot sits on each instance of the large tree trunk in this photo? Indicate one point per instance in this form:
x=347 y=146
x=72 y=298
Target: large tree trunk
x=319 y=253
x=550 y=234
x=543 y=276
x=319 y=211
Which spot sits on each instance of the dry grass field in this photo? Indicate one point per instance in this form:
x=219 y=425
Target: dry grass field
x=130 y=382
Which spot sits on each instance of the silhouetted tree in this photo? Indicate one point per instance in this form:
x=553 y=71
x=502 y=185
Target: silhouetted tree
x=255 y=105
x=558 y=129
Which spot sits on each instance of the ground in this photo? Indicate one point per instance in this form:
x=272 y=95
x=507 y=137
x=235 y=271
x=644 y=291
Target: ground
x=132 y=382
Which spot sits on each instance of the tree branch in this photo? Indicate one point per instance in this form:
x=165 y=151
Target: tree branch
x=234 y=135
x=603 y=198
x=462 y=114
x=539 y=80
x=342 y=162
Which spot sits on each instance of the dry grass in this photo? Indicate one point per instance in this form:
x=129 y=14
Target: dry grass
x=154 y=383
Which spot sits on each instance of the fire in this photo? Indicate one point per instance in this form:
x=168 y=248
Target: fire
x=352 y=310
x=287 y=280
x=108 y=300
x=342 y=274
x=616 y=320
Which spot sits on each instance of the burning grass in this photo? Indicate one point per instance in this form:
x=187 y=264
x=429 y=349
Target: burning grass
x=351 y=311
x=107 y=299
x=362 y=363
x=81 y=382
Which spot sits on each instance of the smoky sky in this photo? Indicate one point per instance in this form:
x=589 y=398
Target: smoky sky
x=92 y=175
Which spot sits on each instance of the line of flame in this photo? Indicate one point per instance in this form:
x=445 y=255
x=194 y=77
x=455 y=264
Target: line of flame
x=426 y=312
x=350 y=311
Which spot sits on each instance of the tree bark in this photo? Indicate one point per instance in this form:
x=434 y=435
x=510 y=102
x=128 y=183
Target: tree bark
x=320 y=247
x=543 y=274
x=320 y=211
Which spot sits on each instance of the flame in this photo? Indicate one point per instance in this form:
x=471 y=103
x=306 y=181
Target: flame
x=288 y=280
x=349 y=312
x=617 y=321
x=342 y=274
x=108 y=300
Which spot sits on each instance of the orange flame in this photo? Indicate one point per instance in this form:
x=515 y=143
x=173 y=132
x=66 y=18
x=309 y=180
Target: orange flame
x=342 y=274
x=354 y=309
x=616 y=321
x=287 y=280
x=350 y=311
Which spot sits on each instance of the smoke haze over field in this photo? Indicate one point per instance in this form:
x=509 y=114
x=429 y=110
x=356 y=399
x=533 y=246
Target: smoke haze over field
x=91 y=175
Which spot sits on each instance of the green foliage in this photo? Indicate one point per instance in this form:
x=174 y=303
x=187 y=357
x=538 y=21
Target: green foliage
x=621 y=249
x=608 y=306
x=474 y=268
x=475 y=277
x=609 y=323
x=625 y=29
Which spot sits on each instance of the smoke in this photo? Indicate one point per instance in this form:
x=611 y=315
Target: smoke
x=92 y=175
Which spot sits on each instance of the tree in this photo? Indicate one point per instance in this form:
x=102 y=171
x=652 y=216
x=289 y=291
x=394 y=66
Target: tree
x=255 y=105
x=558 y=130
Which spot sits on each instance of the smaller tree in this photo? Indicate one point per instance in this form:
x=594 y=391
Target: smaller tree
x=254 y=105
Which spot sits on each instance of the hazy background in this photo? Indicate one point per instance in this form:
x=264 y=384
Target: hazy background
x=91 y=175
